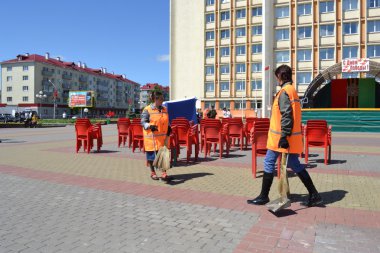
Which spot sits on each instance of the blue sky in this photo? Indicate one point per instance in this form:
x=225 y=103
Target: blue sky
x=125 y=36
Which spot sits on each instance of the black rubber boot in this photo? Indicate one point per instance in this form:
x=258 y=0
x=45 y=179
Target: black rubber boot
x=314 y=197
x=263 y=198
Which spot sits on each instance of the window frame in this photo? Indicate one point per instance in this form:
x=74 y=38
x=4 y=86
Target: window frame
x=326 y=53
x=304 y=54
x=224 y=83
x=241 y=84
x=326 y=30
x=207 y=84
x=304 y=12
x=326 y=7
x=240 y=68
x=238 y=50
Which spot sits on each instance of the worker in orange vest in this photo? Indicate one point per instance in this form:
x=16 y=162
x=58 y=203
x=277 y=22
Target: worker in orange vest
x=156 y=130
x=285 y=136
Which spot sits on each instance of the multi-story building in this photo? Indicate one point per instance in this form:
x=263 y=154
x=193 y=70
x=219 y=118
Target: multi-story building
x=42 y=83
x=147 y=89
x=225 y=51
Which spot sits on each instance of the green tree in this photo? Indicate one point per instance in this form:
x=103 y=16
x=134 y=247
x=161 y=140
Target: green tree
x=156 y=88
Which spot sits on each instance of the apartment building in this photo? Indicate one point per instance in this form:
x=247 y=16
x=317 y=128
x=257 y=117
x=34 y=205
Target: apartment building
x=225 y=51
x=147 y=89
x=43 y=83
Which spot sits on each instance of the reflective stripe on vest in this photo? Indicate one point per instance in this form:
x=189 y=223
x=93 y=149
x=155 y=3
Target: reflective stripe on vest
x=274 y=134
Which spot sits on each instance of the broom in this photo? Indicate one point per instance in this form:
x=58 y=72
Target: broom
x=162 y=159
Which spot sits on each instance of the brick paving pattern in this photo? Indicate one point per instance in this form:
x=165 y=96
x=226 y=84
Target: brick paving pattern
x=54 y=200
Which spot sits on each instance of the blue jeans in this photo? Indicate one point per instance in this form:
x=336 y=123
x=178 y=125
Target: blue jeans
x=270 y=162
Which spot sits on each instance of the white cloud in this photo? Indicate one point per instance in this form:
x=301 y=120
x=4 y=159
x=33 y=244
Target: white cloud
x=164 y=57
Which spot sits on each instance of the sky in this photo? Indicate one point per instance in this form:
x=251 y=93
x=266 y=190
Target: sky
x=128 y=37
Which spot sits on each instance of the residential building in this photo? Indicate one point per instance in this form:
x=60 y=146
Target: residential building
x=225 y=51
x=147 y=89
x=29 y=75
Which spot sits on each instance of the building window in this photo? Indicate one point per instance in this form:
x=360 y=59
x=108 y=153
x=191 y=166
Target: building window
x=282 y=34
x=303 y=78
x=209 y=53
x=350 y=28
x=257 y=30
x=257 y=67
x=25 y=88
x=9 y=68
x=257 y=48
x=373 y=51
x=9 y=99
x=304 y=55
x=350 y=75
x=240 y=85
x=209 y=86
x=209 y=70
x=25 y=68
x=224 y=69
x=327 y=30
x=240 y=50
x=9 y=78
x=240 y=13
x=255 y=104
x=210 y=18
x=25 y=78
x=224 y=86
x=304 y=32
x=350 y=52
x=282 y=12
x=257 y=85
x=374 y=3
x=9 y=88
x=373 y=26
x=25 y=99
x=208 y=104
x=257 y=11
x=225 y=15
x=225 y=34
x=349 y=5
x=304 y=9
x=240 y=105
x=240 y=32
x=326 y=6
x=326 y=53
x=224 y=104
x=210 y=35
x=225 y=51
x=282 y=56
x=240 y=67
x=210 y=2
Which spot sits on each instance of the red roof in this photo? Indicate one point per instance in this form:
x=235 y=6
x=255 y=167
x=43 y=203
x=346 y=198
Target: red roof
x=150 y=86
x=69 y=65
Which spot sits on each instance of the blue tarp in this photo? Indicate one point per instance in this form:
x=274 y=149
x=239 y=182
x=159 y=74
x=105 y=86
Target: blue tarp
x=182 y=108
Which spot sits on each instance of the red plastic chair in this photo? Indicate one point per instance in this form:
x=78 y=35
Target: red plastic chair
x=212 y=122
x=214 y=134
x=85 y=135
x=123 y=130
x=137 y=136
x=236 y=132
x=317 y=136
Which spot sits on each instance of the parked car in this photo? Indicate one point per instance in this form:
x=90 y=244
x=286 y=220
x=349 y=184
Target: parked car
x=7 y=117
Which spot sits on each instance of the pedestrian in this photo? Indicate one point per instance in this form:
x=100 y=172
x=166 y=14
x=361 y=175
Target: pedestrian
x=156 y=129
x=285 y=136
x=34 y=120
x=225 y=113
x=229 y=115
x=64 y=115
x=212 y=113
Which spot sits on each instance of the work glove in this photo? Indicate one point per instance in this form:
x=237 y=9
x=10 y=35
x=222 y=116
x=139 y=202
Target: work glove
x=153 y=128
x=283 y=143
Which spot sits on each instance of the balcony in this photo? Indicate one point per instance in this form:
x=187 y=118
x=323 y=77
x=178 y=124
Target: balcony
x=46 y=72
x=83 y=79
x=66 y=76
x=66 y=86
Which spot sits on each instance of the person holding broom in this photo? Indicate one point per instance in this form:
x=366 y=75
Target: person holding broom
x=285 y=136
x=156 y=129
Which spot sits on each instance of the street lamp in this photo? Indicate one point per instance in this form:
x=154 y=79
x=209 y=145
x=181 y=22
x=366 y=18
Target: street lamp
x=41 y=95
x=85 y=110
x=55 y=95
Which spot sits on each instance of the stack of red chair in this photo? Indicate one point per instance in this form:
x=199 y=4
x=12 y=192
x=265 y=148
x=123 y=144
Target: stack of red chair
x=237 y=132
x=136 y=136
x=318 y=134
x=213 y=132
x=86 y=133
x=123 y=131
x=186 y=135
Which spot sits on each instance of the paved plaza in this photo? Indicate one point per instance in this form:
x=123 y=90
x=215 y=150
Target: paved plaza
x=55 y=200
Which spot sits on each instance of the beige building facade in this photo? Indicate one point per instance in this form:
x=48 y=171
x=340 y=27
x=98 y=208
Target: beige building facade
x=225 y=51
x=42 y=83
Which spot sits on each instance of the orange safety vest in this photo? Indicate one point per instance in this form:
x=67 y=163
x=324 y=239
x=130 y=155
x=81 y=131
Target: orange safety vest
x=161 y=120
x=274 y=134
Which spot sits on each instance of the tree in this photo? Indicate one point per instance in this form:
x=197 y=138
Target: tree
x=156 y=88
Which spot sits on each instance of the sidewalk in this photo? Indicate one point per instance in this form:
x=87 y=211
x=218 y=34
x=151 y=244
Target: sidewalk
x=54 y=200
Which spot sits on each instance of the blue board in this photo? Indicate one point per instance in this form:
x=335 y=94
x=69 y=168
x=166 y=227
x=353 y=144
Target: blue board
x=182 y=108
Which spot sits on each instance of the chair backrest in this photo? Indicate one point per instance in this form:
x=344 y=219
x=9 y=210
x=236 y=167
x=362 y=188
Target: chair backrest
x=316 y=134
x=83 y=120
x=137 y=120
x=318 y=122
x=137 y=129
x=212 y=131
x=235 y=128
x=259 y=138
x=81 y=129
x=123 y=127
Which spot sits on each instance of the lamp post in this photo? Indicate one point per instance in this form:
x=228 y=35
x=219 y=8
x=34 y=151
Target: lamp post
x=242 y=106
x=85 y=110
x=55 y=95
x=41 y=95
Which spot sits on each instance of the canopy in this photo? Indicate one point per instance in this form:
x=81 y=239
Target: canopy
x=182 y=108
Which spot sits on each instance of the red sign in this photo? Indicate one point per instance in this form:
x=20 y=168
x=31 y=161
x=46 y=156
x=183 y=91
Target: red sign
x=77 y=100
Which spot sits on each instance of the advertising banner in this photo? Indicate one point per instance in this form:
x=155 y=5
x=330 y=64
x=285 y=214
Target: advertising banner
x=80 y=99
x=355 y=65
